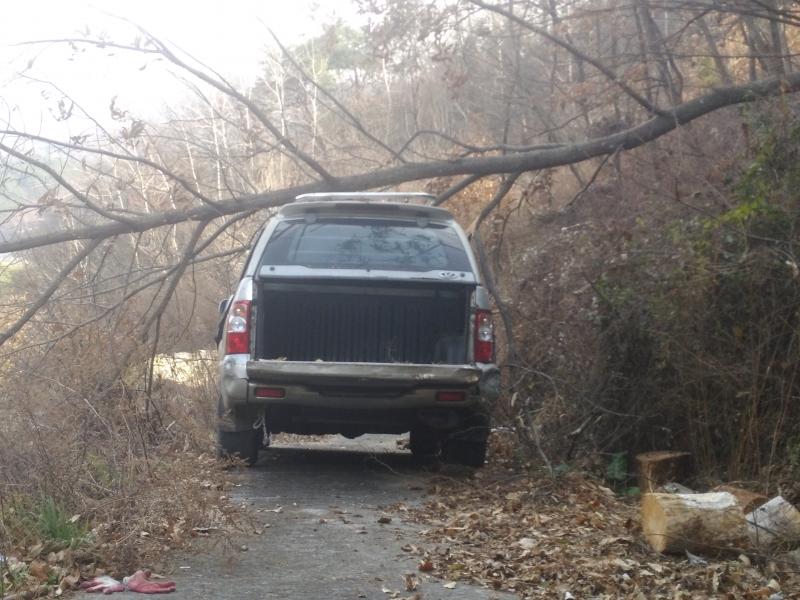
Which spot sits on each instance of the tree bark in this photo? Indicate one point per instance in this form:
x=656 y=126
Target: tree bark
x=704 y=523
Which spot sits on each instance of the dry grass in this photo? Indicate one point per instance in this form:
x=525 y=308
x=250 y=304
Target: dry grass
x=99 y=476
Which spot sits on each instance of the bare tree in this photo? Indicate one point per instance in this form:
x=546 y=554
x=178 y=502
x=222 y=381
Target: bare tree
x=192 y=183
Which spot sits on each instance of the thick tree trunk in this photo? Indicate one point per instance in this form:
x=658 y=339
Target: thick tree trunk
x=705 y=523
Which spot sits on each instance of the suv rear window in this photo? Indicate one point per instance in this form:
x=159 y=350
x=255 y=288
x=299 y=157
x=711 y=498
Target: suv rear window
x=366 y=244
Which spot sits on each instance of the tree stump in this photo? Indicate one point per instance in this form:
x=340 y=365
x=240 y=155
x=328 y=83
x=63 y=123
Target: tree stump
x=705 y=523
x=660 y=467
x=774 y=523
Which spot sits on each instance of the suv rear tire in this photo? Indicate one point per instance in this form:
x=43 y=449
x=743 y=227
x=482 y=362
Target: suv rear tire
x=424 y=443
x=471 y=453
x=241 y=444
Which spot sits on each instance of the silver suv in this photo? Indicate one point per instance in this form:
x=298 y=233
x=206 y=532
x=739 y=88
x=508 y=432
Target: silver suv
x=359 y=313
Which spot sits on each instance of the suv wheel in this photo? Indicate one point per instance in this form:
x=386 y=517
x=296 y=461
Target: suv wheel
x=471 y=453
x=468 y=446
x=241 y=444
x=424 y=443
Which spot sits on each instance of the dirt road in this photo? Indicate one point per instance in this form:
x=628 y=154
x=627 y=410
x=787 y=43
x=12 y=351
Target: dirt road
x=320 y=503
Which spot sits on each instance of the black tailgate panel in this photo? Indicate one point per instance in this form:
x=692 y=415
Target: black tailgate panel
x=377 y=324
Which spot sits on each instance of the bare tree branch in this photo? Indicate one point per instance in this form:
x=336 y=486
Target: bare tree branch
x=592 y=179
x=478 y=166
x=354 y=121
x=575 y=51
x=60 y=180
x=47 y=293
x=129 y=157
x=455 y=189
x=220 y=84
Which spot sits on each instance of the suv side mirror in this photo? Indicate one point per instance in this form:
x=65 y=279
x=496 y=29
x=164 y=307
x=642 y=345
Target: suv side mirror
x=223 y=305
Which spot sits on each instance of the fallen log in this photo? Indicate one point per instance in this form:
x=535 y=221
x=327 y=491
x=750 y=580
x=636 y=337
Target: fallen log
x=774 y=524
x=749 y=501
x=711 y=523
x=657 y=468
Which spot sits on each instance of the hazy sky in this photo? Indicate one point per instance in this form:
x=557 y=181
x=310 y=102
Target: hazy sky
x=229 y=35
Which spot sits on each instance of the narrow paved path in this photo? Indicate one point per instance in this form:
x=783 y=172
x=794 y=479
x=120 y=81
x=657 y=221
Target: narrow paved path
x=319 y=503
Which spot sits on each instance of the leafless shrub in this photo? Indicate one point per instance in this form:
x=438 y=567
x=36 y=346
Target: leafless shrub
x=670 y=326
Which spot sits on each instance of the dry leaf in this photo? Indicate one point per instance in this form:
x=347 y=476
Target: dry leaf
x=411 y=582
x=39 y=569
x=513 y=533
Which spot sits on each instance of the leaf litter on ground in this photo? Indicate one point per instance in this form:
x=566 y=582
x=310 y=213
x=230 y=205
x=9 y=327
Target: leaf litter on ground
x=570 y=536
x=189 y=501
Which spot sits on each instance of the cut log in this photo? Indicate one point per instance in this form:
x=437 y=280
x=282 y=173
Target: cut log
x=749 y=501
x=711 y=523
x=660 y=467
x=774 y=524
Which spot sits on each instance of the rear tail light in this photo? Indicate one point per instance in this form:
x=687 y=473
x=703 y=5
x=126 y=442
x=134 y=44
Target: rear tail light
x=237 y=329
x=266 y=392
x=448 y=396
x=484 y=336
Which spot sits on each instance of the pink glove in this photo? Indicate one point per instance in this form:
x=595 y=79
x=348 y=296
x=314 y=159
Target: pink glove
x=105 y=584
x=140 y=582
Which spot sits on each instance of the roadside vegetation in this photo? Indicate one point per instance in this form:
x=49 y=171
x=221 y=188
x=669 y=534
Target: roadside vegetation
x=93 y=483
x=672 y=326
x=628 y=173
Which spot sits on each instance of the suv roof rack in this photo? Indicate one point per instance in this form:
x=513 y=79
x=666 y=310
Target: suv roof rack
x=394 y=197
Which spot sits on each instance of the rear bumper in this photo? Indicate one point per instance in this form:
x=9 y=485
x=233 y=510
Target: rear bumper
x=371 y=386
x=362 y=375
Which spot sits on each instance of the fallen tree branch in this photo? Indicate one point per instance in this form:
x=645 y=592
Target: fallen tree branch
x=455 y=189
x=478 y=166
